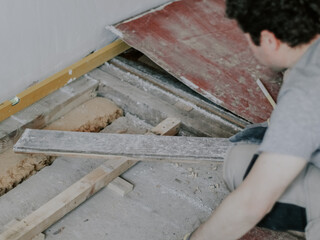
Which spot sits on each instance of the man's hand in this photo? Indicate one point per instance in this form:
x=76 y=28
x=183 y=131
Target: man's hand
x=253 y=199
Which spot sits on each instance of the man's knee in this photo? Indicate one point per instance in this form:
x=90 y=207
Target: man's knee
x=236 y=163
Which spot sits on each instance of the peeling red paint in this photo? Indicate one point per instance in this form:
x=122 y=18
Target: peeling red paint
x=194 y=41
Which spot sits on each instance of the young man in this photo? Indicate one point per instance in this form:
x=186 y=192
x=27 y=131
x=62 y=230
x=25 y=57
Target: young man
x=275 y=184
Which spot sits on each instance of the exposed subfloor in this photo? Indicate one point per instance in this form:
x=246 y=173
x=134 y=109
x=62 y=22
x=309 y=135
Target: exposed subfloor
x=166 y=203
x=168 y=199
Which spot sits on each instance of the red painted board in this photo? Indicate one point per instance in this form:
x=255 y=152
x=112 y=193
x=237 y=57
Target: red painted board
x=196 y=43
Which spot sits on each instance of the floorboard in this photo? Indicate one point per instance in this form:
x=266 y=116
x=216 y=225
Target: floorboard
x=196 y=43
x=141 y=147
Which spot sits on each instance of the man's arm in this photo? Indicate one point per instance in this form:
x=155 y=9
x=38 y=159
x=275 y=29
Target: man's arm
x=253 y=199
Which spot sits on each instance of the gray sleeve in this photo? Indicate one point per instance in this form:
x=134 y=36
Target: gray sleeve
x=295 y=123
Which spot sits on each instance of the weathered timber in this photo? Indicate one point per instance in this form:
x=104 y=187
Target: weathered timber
x=59 y=206
x=47 y=110
x=170 y=126
x=90 y=116
x=207 y=52
x=140 y=147
x=155 y=105
x=120 y=186
x=168 y=83
x=40 y=236
x=66 y=201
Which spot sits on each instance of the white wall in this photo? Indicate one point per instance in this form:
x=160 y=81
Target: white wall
x=41 y=37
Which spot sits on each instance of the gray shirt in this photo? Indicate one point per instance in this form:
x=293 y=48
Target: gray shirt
x=295 y=122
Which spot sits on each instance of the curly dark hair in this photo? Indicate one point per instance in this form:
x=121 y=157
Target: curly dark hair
x=294 y=22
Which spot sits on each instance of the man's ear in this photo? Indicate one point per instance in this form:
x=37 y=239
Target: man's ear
x=269 y=40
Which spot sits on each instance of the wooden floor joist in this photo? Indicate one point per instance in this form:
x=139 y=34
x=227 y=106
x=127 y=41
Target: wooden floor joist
x=56 y=208
x=47 y=110
x=49 y=85
x=168 y=127
x=139 y=147
x=66 y=201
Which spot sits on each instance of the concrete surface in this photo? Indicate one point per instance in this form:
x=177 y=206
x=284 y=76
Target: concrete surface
x=168 y=200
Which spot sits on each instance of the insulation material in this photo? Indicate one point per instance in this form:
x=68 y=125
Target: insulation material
x=91 y=116
x=17 y=167
x=196 y=43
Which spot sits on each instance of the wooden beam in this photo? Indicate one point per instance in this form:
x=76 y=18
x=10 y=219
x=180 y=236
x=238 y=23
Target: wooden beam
x=120 y=186
x=49 y=85
x=163 y=81
x=139 y=147
x=40 y=236
x=46 y=110
x=169 y=125
x=66 y=201
x=56 y=208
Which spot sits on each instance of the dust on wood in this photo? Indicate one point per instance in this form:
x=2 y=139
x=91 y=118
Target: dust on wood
x=142 y=147
x=93 y=115
x=69 y=199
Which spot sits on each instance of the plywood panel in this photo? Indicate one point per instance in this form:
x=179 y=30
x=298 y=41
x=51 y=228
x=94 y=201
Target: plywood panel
x=195 y=42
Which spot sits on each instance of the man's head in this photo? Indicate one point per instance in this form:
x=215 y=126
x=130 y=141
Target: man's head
x=294 y=22
x=278 y=31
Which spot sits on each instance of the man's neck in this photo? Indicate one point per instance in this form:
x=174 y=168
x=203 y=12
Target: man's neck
x=293 y=55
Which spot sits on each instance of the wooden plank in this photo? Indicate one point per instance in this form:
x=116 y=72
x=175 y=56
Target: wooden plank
x=120 y=186
x=168 y=83
x=196 y=43
x=141 y=147
x=55 y=209
x=266 y=93
x=40 y=236
x=199 y=122
x=66 y=201
x=49 y=85
x=170 y=126
x=90 y=116
x=46 y=110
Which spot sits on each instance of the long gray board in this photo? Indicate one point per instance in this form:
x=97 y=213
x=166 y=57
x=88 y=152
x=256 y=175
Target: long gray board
x=138 y=147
